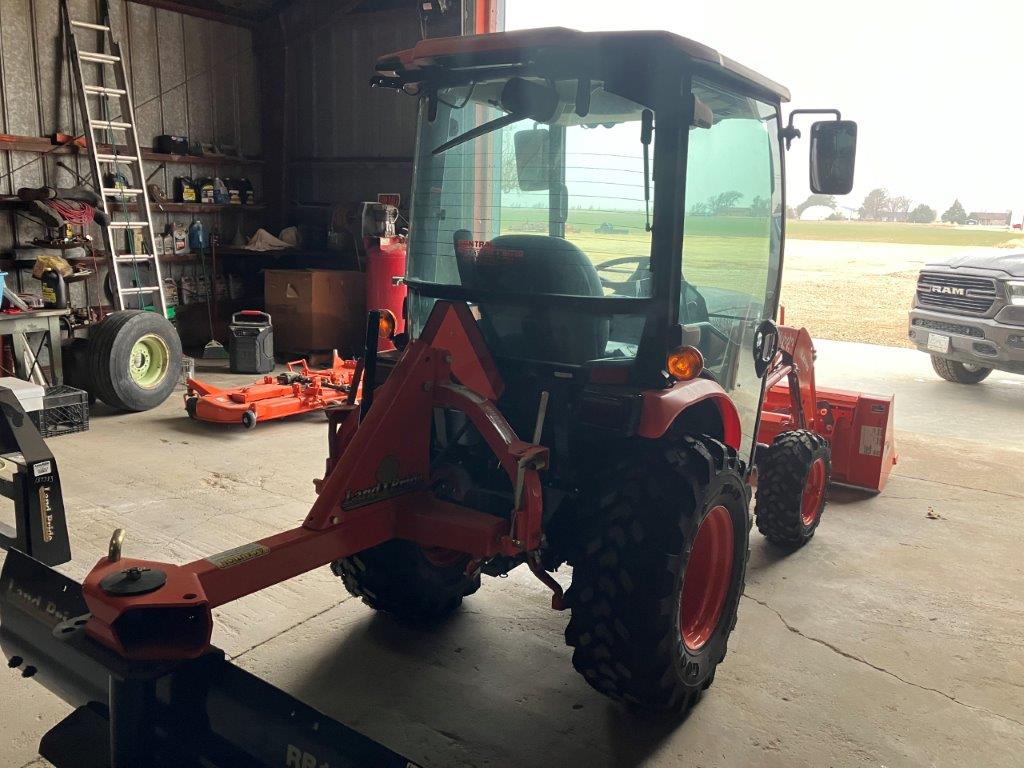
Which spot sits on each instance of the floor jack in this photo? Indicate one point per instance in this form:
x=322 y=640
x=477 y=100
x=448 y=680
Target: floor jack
x=299 y=390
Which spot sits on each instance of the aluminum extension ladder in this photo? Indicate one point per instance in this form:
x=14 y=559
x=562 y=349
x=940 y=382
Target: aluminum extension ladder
x=144 y=289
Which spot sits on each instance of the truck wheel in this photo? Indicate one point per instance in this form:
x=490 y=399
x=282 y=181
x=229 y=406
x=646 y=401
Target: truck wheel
x=792 y=481
x=134 y=360
x=414 y=584
x=655 y=591
x=959 y=373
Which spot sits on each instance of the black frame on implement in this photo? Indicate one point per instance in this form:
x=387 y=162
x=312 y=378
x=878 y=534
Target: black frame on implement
x=205 y=712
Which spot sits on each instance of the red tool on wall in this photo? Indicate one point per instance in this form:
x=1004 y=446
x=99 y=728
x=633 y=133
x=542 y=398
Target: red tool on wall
x=300 y=390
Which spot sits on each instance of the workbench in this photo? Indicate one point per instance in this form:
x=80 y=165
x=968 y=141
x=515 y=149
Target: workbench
x=42 y=321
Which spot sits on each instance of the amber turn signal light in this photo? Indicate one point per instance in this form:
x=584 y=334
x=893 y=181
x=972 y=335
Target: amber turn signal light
x=387 y=324
x=685 y=363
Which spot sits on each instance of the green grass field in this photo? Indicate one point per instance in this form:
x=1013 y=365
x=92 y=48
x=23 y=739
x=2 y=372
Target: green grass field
x=904 y=234
x=585 y=221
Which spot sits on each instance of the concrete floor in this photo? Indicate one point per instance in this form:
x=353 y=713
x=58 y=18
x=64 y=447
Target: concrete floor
x=893 y=639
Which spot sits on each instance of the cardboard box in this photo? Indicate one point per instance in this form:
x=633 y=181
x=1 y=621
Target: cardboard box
x=316 y=309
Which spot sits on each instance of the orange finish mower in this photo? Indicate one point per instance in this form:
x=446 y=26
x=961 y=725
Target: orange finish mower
x=300 y=390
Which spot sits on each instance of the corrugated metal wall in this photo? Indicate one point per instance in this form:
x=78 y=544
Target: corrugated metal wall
x=347 y=141
x=189 y=76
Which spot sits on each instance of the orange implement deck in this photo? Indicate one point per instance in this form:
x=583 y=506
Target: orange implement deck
x=300 y=390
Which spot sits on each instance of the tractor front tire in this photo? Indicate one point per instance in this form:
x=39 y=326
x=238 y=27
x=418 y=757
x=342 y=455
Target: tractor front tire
x=792 y=484
x=658 y=581
x=959 y=373
x=414 y=584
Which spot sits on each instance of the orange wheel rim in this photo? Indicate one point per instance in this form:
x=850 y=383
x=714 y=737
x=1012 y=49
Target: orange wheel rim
x=707 y=579
x=814 y=492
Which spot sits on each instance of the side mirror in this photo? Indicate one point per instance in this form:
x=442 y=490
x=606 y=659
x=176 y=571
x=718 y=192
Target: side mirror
x=833 y=154
x=532 y=167
x=766 y=345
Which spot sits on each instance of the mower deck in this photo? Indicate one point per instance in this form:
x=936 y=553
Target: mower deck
x=300 y=390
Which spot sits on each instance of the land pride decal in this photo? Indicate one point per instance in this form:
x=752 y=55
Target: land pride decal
x=382 y=490
x=390 y=482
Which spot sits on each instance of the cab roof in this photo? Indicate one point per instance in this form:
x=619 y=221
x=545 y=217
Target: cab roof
x=500 y=48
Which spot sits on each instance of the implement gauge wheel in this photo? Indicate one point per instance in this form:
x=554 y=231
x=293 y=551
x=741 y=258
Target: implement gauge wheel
x=655 y=591
x=134 y=360
x=792 y=485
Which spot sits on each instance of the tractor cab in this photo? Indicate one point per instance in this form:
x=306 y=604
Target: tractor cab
x=601 y=200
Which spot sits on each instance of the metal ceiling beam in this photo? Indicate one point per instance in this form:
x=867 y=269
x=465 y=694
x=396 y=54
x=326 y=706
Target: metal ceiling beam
x=248 y=22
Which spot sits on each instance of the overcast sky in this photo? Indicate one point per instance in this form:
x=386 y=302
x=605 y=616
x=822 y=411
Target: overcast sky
x=936 y=87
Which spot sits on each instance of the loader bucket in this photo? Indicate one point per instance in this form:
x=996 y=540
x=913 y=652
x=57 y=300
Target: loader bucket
x=185 y=714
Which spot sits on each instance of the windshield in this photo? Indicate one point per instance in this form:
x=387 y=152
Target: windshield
x=731 y=238
x=552 y=204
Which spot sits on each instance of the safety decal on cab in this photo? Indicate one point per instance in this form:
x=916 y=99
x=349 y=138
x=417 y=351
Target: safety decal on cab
x=484 y=250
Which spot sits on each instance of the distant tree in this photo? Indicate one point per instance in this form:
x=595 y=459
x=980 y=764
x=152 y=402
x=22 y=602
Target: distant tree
x=724 y=201
x=829 y=201
x=699 y=209
x=836 y=216
x=923 y=214
x=791 y=212
x=509 y=169
x=760 y=206
x=875 y=204
x=955 y=214
x=897 y=208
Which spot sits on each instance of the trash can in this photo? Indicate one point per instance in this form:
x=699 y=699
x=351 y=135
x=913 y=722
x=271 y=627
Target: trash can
x=252 y=342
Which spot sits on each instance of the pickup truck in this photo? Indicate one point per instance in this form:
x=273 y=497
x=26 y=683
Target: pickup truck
x=968 y=314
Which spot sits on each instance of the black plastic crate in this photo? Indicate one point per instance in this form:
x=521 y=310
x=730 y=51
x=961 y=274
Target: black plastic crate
x=65 y=410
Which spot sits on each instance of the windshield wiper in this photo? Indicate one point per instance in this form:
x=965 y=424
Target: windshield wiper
x=522 y=99
x=480 y=130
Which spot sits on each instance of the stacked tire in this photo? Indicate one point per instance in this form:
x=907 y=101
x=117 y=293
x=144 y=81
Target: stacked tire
x=131 y=360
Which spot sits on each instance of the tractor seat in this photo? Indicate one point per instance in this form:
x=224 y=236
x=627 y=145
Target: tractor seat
x=535 y=264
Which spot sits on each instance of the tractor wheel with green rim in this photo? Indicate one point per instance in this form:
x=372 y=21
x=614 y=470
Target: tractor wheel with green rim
x=134 y=360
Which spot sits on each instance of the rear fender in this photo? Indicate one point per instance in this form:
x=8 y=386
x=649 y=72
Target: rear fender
x=662 y=407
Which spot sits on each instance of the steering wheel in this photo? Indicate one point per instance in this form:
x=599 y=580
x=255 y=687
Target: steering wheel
x=616 y=266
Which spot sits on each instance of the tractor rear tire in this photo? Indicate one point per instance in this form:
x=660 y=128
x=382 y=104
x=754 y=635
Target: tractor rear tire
x=792 y=486
x=134 y=360
x=403 y=579
x=658 y=581
x=959 y=373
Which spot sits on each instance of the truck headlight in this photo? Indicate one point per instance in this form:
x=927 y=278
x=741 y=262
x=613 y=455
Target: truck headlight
x=1016 y=290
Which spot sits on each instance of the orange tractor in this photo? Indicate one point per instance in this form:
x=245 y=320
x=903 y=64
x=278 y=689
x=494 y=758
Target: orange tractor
x=594 y=266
